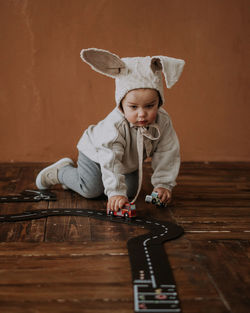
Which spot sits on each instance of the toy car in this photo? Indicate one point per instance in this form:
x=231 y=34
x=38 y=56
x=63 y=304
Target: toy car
x=154 y=199
x=128 y=211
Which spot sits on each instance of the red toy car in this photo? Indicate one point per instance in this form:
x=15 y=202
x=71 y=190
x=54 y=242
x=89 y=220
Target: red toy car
x=128 y=211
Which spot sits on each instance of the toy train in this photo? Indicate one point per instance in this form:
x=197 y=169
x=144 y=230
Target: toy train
x=128 y=211
x=154 y=199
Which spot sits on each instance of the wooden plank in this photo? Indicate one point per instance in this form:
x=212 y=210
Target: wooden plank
x=230 y=275
x=226 y=225
x=208 y=212
x=65 y=270
x=9 y=179
x=108 y=231
x=43 y=249
x=59 y=305
x=51 y=275
x=22 y=231
x=66 y=228
x=22 y=178
x=200 y=269
x=196 y=290
x=63 y=274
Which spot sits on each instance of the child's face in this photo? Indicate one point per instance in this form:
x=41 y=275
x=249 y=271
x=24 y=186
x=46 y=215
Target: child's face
x=140 y=106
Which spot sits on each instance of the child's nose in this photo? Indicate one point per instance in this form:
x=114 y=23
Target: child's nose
x=141 y=113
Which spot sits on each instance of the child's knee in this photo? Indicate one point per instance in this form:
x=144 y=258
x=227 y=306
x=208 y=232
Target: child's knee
x=90 y=191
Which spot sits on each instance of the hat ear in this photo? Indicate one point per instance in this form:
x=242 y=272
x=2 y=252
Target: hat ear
x=103 y=61
x=171 y=68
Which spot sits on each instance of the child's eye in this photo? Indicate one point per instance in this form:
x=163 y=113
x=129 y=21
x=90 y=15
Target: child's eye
x=133 y=107
x=149 y=106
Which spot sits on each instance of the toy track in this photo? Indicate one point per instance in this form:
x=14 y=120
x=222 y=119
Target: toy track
x=29 y=196
x=153 y=281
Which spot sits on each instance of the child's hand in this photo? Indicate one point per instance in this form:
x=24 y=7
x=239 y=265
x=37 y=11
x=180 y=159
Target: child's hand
x=116 y=202
x=164 y=194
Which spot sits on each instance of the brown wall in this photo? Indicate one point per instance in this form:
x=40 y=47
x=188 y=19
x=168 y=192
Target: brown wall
x=48 y=96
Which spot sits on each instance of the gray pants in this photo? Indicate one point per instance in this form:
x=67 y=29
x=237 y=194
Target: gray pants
x=86 y=178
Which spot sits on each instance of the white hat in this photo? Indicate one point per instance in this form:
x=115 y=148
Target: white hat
x=134 y=73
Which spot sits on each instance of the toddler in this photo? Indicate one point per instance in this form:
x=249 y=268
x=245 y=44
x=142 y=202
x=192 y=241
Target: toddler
x=111 y=153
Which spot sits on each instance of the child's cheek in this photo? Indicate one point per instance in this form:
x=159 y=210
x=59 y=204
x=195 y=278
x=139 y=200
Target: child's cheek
x=153 y=116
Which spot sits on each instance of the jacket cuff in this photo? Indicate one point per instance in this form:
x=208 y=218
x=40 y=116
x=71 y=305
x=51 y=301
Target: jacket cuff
x=169 y=187
x=117 y=193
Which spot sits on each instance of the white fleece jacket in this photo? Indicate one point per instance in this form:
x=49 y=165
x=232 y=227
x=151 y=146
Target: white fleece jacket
x=113 y=144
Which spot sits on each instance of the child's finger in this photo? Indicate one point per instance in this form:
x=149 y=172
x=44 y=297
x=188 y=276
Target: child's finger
x=121 y=203
x=169 y=197
x=117 y=204
x=113 y=204
x=164 y=197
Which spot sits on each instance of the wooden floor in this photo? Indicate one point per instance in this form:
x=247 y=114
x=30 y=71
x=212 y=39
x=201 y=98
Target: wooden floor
x=76 y=264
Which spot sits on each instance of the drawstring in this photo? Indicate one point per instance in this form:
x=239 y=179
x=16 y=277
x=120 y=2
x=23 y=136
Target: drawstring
x=141 y=133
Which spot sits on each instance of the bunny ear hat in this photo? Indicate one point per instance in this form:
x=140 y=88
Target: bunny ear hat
x=136 y=72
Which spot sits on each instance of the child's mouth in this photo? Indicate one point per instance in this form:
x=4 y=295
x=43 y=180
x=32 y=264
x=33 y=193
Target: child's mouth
x=142 y=123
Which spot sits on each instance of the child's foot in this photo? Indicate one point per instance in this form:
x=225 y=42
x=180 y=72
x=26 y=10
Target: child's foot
x=49 y=175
